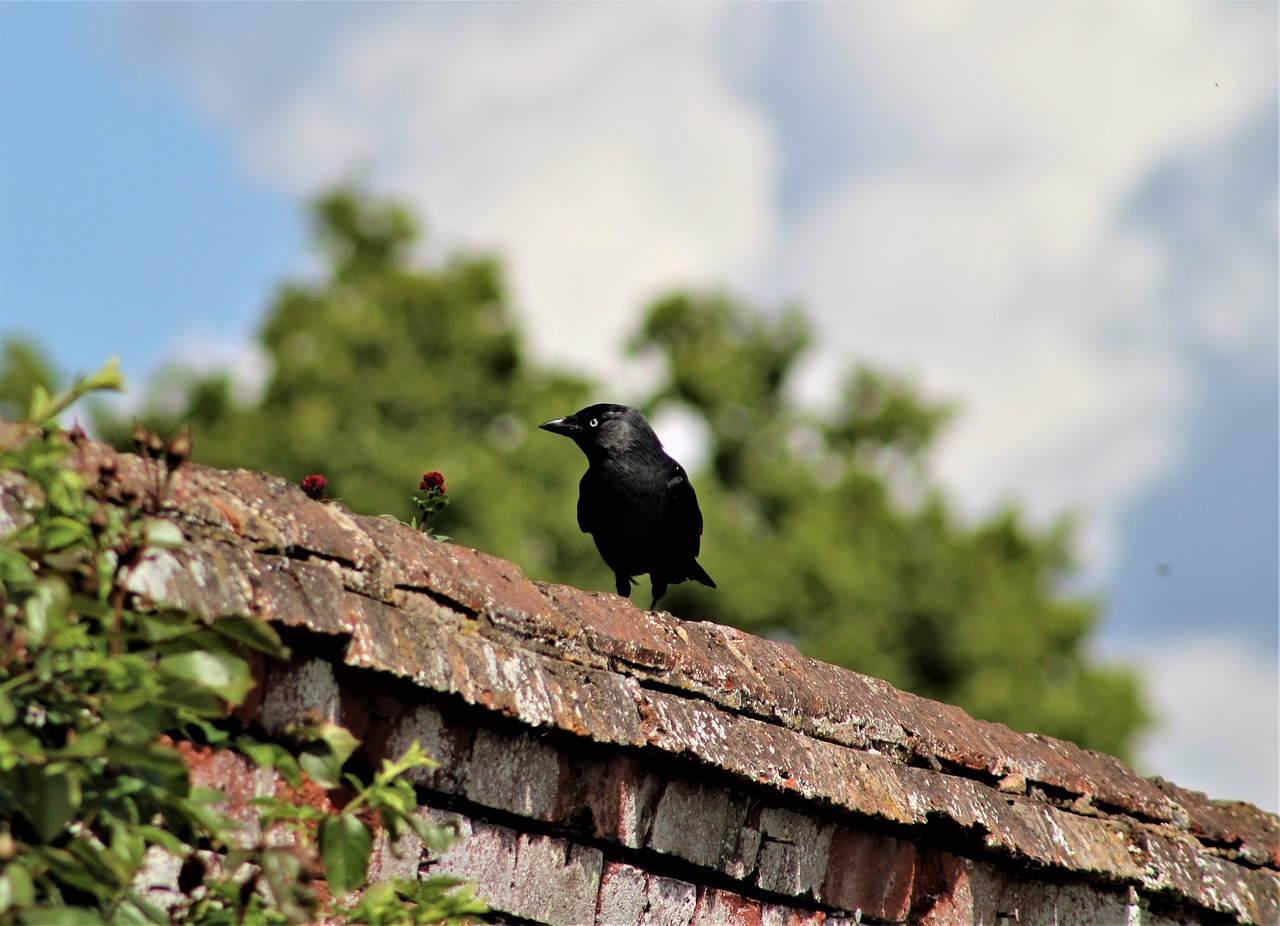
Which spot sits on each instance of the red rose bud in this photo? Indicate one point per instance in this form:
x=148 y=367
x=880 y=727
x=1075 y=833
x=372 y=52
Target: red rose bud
x=314 y=485
x=432 y=482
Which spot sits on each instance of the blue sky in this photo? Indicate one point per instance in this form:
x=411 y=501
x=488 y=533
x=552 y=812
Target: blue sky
x=126 y=223
x=1061 y=216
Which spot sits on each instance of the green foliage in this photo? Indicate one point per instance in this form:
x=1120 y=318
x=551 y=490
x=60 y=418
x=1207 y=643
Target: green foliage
x=95 y=692
x=381 y=370
x=823 y=529
x=25 y=369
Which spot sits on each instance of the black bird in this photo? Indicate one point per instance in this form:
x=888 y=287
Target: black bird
x=634 y=499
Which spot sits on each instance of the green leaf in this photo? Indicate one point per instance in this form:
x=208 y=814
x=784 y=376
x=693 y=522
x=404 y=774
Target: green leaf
x=329 y=745
x=225 y=674
x=52 y=799
x=107 y=378
x=15 y=569
x=155 y=835
x=153 y=762
x=282 y=867
x=376 y=901
x=203 y=731
x=274 y=756
x=323 y=767
x=71 y=916
x=66 y=491
x=335 y=736
x=135 y=909
x=437 y=838
x=128 y=845
x=40 y=405
x=253 y=633
x=167 y=625
x=16 y=889
x=109 y=869
x=345 y=844
x=46 y=603
x=61 y=531
x=67 y=869
x=199 y=701
x=90 y=743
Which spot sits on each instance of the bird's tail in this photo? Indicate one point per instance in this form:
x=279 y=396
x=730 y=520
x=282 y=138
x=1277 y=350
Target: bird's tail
x=698 y=574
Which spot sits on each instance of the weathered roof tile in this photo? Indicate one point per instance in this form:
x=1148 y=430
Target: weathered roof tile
x=838 y=746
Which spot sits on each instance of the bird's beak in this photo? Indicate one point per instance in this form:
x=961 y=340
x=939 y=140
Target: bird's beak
x=568 y=426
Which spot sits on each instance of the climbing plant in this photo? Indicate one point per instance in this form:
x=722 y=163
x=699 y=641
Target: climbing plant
x=98 y=692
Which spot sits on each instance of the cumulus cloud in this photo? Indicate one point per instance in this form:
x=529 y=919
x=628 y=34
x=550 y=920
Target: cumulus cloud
x=1094 y=91
x=1063 y=400
x=599 y=148
x=991 y=244
x=976 y=224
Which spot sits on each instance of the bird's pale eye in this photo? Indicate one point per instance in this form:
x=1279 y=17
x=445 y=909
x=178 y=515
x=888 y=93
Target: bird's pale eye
x=595 y=423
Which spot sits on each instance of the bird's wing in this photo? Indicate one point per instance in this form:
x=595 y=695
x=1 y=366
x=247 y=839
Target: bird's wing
x=588 y=508
x=686 y=516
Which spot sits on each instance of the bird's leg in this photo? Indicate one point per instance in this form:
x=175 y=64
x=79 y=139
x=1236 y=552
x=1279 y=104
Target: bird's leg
x=659 y=589
x=624 y=584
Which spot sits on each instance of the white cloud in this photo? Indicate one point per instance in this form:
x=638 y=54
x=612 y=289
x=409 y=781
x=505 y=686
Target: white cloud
x=1066 y=396
x=599 y=148
x=995 y=253
x=1093 y=90
x=1217 y=706
x=986 y=246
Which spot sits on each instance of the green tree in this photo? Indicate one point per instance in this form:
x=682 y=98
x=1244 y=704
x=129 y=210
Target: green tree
x=827 y=531
x=824 y=529
x=382 y=369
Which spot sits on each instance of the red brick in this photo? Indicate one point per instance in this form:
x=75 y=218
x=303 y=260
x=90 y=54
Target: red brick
x=874 y=874
x=945 y=893
x=793 y=853
x=208 y=579
x=629 y=896
x=484 y=853
x=611 y=797
x=775 y=915
x=389 y=861
x=753 y=713
x=555 y=881
x=239 y=780
x=719 y=817
x=516 y=772
x=720 y=908
x=446 y=742
x=295 y=691
x=606 y=626
x=671 y=902
x=624 y=895
x=300 y=594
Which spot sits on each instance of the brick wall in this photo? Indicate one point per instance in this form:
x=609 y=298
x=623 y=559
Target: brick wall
x=614 y=766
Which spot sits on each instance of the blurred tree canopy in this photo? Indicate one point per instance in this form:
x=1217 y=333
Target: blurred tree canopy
x=822 y=529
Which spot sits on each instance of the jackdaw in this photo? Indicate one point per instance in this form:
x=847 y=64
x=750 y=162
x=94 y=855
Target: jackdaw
x=634 y=500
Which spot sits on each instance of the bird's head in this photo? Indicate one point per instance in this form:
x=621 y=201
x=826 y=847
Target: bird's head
x=603 y=429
